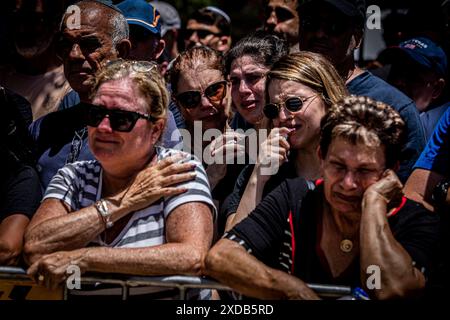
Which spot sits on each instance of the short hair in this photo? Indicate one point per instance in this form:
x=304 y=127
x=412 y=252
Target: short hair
x=147 y=78
x=363 y=120
x=191 y=59
x=312 y=70
x=264 y=48
x=213 y=17
x=117 y=22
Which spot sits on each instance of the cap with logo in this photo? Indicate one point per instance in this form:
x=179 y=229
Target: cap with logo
x=141 y=13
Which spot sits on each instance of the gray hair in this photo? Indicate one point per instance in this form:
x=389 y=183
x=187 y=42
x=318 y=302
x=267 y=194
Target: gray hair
x=117 y=22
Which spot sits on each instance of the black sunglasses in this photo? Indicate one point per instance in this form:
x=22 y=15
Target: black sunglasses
x=293 y=104
x=214 y=93
x=120 y=120
x=201 y=33
x=282 y=14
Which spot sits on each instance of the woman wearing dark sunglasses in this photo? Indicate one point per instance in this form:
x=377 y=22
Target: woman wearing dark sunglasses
x=202 y=93
x=299 y=90
x=137 y=209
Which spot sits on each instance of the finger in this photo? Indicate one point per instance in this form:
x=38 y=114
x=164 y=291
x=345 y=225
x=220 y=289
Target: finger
x=172 y=191
x=170 y=160
x=178 y=178
x=32 y=270
x=178 y=168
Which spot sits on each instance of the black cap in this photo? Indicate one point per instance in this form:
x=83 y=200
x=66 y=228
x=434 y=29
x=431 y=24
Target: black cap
x=355 y=9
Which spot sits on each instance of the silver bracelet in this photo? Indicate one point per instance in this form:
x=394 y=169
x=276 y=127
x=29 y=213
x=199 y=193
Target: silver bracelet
x=102 y=208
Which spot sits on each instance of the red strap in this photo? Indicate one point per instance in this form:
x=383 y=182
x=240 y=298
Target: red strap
x=291 y=225
x=398 y=208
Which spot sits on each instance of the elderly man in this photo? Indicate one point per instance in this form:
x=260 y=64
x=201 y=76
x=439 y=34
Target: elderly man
x=101 y=36
x=209 y=26
x=281 y=17
x=335 y=29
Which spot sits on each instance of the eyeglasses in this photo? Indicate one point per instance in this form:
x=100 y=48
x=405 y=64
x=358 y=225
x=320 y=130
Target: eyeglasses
x=137 y=66
x=281 y=13
x=120 y=120
x=293 y=104
x=214 y=93
x=201 y=33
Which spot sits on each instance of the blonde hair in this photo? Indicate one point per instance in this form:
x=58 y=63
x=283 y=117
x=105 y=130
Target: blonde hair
x=147 y=78
x=312 y=70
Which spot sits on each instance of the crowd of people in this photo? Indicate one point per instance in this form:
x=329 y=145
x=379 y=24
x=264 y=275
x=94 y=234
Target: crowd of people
x=136 y=146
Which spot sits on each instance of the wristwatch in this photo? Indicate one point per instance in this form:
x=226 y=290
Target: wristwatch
x=102 y=208
x=440 y=192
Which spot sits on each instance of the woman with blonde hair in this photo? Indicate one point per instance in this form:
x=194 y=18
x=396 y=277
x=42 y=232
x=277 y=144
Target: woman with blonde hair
x=300 y=88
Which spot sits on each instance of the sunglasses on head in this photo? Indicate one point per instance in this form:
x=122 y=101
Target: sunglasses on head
x=293 y=104
x=120 y=120
x=214 y=93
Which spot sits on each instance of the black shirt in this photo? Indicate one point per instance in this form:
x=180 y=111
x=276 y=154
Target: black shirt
x=285 y=223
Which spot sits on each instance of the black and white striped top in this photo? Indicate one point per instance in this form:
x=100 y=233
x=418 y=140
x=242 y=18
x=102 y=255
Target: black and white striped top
x=79 y=184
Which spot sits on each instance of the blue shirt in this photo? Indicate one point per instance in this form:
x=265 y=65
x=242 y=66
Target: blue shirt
x=431 y=117
x=61 y=138
x=368 y=85
x=436 y=155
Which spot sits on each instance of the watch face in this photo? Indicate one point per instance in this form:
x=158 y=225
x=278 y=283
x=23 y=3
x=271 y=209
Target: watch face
x=439 y=194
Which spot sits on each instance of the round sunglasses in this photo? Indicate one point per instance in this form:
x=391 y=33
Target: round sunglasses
x=120 y=120
x=214 y=93
x=292 y=104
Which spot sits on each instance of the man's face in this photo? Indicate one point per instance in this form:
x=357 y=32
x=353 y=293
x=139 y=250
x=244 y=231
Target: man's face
x=348 y=170
x=145 y=45
x=323 y=29
x=415 y=81
x=33 y=29
x=281 y=17
x=83 y=49
x=197 y=34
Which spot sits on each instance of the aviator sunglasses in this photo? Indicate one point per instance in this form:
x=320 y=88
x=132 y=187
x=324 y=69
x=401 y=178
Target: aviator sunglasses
x=214 y=93
x=120 y=120
x=293 y=104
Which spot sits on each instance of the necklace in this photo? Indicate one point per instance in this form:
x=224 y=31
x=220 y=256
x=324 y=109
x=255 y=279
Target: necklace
x=346 y=245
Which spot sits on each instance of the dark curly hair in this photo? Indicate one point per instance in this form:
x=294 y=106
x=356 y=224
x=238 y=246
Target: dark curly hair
x=363 y=120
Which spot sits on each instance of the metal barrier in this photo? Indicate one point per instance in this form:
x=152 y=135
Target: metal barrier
x=182 y=283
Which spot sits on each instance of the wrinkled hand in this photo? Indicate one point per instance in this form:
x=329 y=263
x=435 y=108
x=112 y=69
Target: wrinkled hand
x=273 y=152
x=51 y=270
x=225 y=149
x=388 y=189
x=157 y=181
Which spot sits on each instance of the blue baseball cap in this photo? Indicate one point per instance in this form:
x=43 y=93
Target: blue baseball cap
x=425 y=52
x=141 y=13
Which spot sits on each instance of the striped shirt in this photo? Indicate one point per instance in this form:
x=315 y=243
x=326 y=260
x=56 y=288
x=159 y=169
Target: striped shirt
x=79 y=185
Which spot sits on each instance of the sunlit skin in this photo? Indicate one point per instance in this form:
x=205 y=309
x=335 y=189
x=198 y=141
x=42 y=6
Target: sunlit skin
x=306 y=122
x=348 y=170
x=211 y=40
x=247 y=88
x=287 y=28
x=212 y=115
x=122 y=149
x=94 y=36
